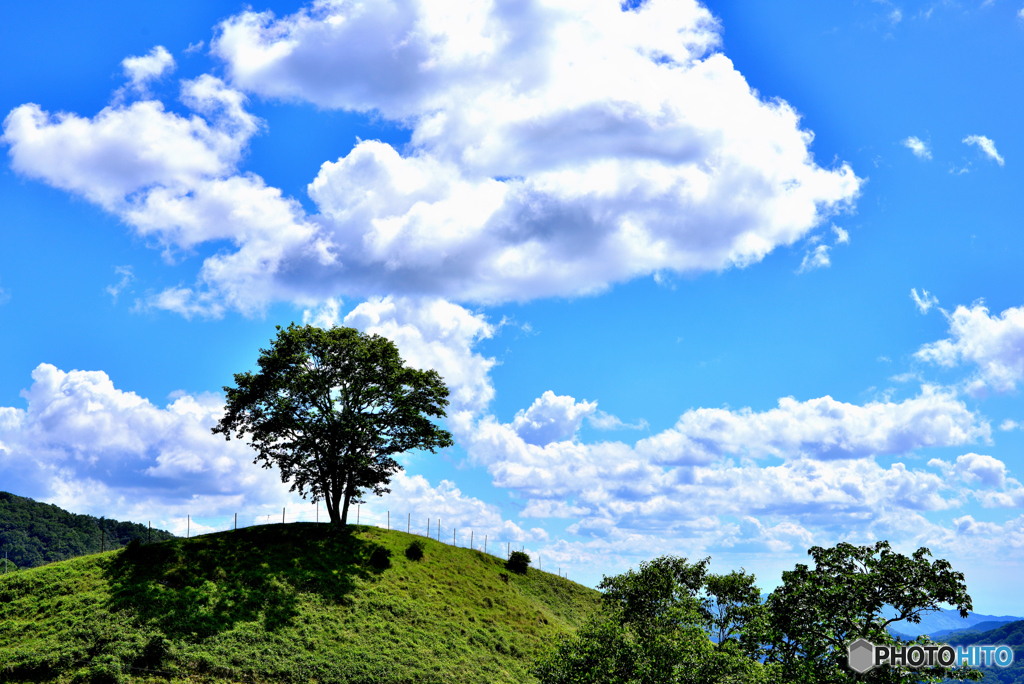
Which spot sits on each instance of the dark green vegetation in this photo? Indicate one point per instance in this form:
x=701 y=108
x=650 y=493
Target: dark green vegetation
x=654 y=629
x=1010 y=634
x=656 y=624
x=330 y=408
x=34 y=533
x=283 y=603
x=816 y=612
x=518 y=562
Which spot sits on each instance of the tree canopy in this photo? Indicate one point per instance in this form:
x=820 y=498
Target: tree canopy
x=817 y=612
x=654 y=628
x=673 y=621
x=331 y=409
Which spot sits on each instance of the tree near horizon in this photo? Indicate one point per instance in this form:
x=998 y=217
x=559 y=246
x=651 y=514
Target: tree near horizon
x=654 y=627
x=331 y=409
x=816 y=613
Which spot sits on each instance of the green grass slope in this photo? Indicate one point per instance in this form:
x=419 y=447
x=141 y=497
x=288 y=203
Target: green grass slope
x=283 y=603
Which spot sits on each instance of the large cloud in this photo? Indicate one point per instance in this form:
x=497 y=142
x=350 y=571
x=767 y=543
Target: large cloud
x=829 y=478
x=994 y=343
x=86 y=445
x=557 y=148
x=820 y=428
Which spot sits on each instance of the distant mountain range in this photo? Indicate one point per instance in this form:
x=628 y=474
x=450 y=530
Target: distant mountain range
x=34 y=533
x=945 y=623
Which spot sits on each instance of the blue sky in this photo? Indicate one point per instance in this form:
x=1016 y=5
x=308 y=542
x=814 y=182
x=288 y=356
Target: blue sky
x=664 y=256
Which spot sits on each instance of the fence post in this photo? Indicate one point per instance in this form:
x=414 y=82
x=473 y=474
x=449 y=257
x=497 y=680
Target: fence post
x=389 y=521
x=453 y=537
x=485 y=543
x=428 y=528
x=471 y=539
x=282 y=515
x=438 y=529
x=508 y=545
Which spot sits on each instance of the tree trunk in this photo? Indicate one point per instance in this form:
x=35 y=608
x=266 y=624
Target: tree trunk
x=332 y=508
x=348 y=497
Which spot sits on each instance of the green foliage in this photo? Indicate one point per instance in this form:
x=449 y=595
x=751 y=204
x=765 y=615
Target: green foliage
x=414 y=551
x=330 y=409
x=518 y=562
x=380 y=559
x=283 y=603
x=34 y=533
x=653 y=629
x=816 y=613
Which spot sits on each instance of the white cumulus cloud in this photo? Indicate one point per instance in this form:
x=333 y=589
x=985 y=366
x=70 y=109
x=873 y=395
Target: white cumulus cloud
x=558 y=147
x=994 y=343
x=141 y=70
x=682 y=480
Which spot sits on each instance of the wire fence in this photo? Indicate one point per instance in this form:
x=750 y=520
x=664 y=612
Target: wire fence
x=497 y=545
x=430 y=527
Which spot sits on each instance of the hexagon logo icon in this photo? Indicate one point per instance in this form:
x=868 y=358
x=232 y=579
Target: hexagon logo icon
x=860 y=655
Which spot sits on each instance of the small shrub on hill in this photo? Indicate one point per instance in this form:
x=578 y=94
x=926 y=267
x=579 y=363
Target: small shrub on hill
x=380 y=558
x=415 y=550
x=518 y=562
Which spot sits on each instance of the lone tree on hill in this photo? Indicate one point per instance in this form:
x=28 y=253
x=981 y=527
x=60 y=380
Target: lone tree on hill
x=330 y=408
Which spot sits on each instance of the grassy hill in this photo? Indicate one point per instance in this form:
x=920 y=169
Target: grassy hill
x=283 y=603
x=34 y=533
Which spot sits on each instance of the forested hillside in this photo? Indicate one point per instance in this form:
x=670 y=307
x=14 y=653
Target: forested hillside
x=34 y=533
x=1010 y=634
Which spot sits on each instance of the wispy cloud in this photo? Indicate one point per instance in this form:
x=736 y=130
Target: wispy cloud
x=606 y=421
x=815 y=258
x=127 y=276
x=919 y=147
x=925 y=301
x=987 y=146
